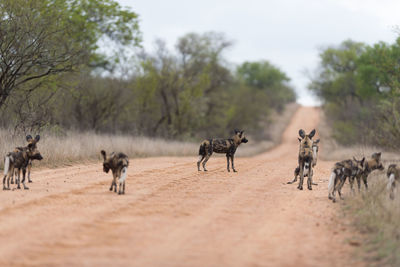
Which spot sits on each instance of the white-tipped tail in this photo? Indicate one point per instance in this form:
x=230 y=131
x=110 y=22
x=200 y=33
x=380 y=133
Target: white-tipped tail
x=391 y=181
x=123 y=175
x=315 y=155
x=306 y=167
x=6 y=164
x=331 y=184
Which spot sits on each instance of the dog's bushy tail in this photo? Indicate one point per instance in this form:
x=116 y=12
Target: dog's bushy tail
x=331 y=184
x=7 y=164
x=123 y=174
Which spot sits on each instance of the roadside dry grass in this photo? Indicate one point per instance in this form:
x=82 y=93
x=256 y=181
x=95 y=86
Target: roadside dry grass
x=273 y=131
x=332 y=151
x=375 y=218
x=74 y=147
x=85 y=147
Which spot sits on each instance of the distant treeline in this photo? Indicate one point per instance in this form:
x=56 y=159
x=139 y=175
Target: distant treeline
x=54 y=76
x=360 y=88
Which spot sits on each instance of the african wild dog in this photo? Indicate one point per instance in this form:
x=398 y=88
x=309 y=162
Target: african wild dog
x=305 y=158
x=315 y=149
x=30 y=140
x=393 y=173
x=20 y=160
x=351 y=168
x=227 y=146
x=118 y=163
x=374 y=163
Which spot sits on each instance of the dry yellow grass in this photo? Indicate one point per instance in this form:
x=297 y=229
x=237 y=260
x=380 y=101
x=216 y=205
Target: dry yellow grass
x=75 y=146
x=273 y=131
x=377 y=218
x=371 y=212
x=85 y=147
x=332 y=151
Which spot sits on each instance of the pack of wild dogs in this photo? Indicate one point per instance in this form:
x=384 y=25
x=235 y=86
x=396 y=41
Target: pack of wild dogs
x=20 y=159
x=351 y=169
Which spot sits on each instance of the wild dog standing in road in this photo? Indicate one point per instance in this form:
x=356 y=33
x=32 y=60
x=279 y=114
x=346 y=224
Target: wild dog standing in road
x=305 y=158
x=315 y=149
x=393 y=173
x=30 y=140
x=19 y=160
x=370 y=165
x=118 y=163
x=351 y=168
x=227 y=146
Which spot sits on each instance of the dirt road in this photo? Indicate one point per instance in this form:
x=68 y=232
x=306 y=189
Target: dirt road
x=173 y=215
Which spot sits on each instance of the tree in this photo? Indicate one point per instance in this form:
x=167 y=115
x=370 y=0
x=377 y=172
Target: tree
x=183 y=92
x=267 y=78
x=359 y=85
x=43 y=38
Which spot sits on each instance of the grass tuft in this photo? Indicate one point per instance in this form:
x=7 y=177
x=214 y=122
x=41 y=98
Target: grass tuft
x=378 y=218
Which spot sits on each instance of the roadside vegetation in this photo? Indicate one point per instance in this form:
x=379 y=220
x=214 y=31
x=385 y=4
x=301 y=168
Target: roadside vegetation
x=75 y=73
x=377 y=219
x=359 y=86
x=84 y=146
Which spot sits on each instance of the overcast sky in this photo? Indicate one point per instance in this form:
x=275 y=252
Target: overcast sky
x=288 y=33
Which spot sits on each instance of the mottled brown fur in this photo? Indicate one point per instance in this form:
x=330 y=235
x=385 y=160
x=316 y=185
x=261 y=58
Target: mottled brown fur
x=375 y=163
x=30 y=140
x=226 y=146
x=305 y=158
x=314 y=162
x=351 y=168
x=115 y=162
x=19 y=159
x=393 y=181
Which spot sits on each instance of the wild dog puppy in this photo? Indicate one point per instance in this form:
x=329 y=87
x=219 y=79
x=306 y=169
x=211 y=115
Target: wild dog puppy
x=19 y=160
x=393 y=173
x=118 y=163
x=351 y=168
x=30 y=140
x=227 y=146
x=305 y=158
x=315 y=149
x=370 y=165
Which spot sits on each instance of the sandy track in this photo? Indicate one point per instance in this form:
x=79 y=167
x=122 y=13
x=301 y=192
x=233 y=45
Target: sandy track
x=173 y=215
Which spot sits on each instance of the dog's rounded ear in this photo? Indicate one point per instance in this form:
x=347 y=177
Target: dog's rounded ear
x=312 y=133
x=29 y=138
x=379 y=154
x=302 y=133
x=316 y=141
x=362 y=161
x=236 y=131
x=37 y=138
x=104 y=154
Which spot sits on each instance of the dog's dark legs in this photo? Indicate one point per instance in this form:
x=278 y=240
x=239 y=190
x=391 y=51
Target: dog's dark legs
x=23 y=179
x=233 y=164
x=205 y=161
x=201 y=157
